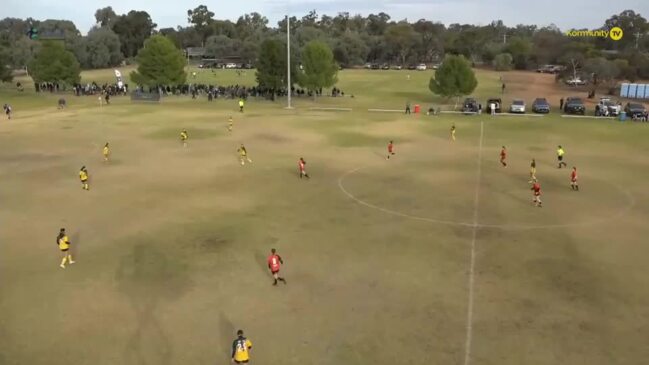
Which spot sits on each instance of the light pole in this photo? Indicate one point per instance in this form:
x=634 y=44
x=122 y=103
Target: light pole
x=288 y=60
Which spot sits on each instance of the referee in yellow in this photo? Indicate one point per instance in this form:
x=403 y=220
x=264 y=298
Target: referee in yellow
x=63 y=242
x=560 y=153
x=241 y=347
x=106 y=152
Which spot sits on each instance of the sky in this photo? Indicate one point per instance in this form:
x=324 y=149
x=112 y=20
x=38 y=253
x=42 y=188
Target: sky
x=566 y=14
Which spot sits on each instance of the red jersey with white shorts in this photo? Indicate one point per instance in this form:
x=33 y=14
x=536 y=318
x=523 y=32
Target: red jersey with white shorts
x=537 y=189
x=301 y=164
x=573 y=176
x=274 y=263
x=390 y=147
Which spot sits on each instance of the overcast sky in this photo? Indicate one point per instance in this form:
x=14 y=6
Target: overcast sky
x=166 y=13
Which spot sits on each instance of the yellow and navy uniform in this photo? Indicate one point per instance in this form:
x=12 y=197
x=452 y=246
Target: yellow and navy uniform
x=183 y=136
x=241 y=350
x=106 y=151
x=560 y=153
x=83 y=175
x=242 y=151
x=63 y=242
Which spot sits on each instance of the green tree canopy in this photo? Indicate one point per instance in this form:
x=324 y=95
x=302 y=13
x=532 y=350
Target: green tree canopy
x=503 y=62
x=53 y=63
x=5 y=70
x=271 y=67
x=320 y=68
x=133 y=29
x=103 y=48
x=453 y=78
x=159 y=63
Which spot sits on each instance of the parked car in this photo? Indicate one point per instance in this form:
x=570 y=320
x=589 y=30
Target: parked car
x=470 y=106
x=541 y=106
x=576 y=82
x=230 y=65
x=435 y=66
x=368 y=66
x=421 y=67
x=397 y=67
x=574 y=105
x=497 y=102
x=375 y=66
x=412 y=67
x=518 y=106
x=385 y=66
x=248 y=66
x=607 y=107
x=550 y=69
x=635 y=110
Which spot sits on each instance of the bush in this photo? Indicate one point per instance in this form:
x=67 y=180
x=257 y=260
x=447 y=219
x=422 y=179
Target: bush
x=503 y=62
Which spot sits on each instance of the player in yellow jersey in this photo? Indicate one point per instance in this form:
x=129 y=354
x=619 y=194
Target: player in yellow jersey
x=183 y=137
x=560 y=153
x=83 y=175
x=63 y=242
x=106 y=152
x=241 y=347
x=453 y=132
x=230 y=124
x=243 y=155
x=532 y=171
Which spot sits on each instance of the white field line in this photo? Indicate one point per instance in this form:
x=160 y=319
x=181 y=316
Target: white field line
x=387 y=110
x=332 y=109
x=455 y=112
x=521 y=115
x=476 y=204
x=585 y=116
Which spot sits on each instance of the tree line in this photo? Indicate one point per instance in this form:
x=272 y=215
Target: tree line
x=353 y=40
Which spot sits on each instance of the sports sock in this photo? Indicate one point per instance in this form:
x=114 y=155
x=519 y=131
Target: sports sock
x=64 y=260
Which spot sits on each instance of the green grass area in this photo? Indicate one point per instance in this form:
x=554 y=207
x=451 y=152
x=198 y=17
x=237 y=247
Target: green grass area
x=171 y=243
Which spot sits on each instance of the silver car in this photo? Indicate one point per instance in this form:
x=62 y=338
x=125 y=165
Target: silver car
x=518 y=106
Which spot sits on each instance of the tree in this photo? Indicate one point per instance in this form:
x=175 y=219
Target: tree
x=520 y=49
x=603 y=70
x=401 y=38
x=103 y=48
x=22 y=52
x=53 y=63
x=220 y=46
x=453 y=78
x=351 y=50
x=503 y=62
x=271 y=66
x=573 y=61
x=320 y=68
x=5 y=72
x=201 y=18
x=105 y=17
x=250 y=24
x=631 y=23
x=627 y=72
x=133 y=29
x=159 y=63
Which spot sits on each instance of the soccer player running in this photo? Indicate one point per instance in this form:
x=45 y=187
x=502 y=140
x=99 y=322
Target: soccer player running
x=63 y=242
x=106 y=152
x=560 y=153
x=503 y=156
x=574 y=185
x=453 y=132
x=241 y=104
x=536 y=188
x=183 y=137
x=7 y=109
x=390 y=150
x=241 y=347
x=83 y=176
x=532 y=171
x=274 y=263
x=302 y=165
x=243 y=155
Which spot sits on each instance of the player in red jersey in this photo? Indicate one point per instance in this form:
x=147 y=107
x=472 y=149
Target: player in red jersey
x=390 y=150
x=274 y=263
x=574 y=185
x=536 y=188
x=302 y=165
x=503 y=156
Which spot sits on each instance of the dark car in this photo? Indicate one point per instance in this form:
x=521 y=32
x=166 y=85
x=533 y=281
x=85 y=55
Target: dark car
x=412 y=67
x=375 y=66
x=497 y=102
x=385 y=66
x=574 y=106
x=635 y=110
x=541 y=106
x=470 y=106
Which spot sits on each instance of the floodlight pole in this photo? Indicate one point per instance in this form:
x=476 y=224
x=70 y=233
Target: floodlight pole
x=288 y=60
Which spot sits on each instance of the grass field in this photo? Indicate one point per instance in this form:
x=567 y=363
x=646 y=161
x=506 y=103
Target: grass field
x=433 y=257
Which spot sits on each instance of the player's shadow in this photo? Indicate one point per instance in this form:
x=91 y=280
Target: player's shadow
x=75 y=242
x=226 y=332
x=261 y=261
x=149 y=278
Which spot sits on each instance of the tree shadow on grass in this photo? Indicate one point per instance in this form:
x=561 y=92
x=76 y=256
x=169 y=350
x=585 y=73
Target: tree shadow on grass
x=149 y=277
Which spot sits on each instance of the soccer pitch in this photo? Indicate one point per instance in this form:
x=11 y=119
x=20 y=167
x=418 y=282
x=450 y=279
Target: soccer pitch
x=435 y=256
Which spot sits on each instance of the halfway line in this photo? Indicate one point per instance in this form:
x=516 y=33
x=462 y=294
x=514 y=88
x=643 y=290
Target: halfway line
x=476 y=203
